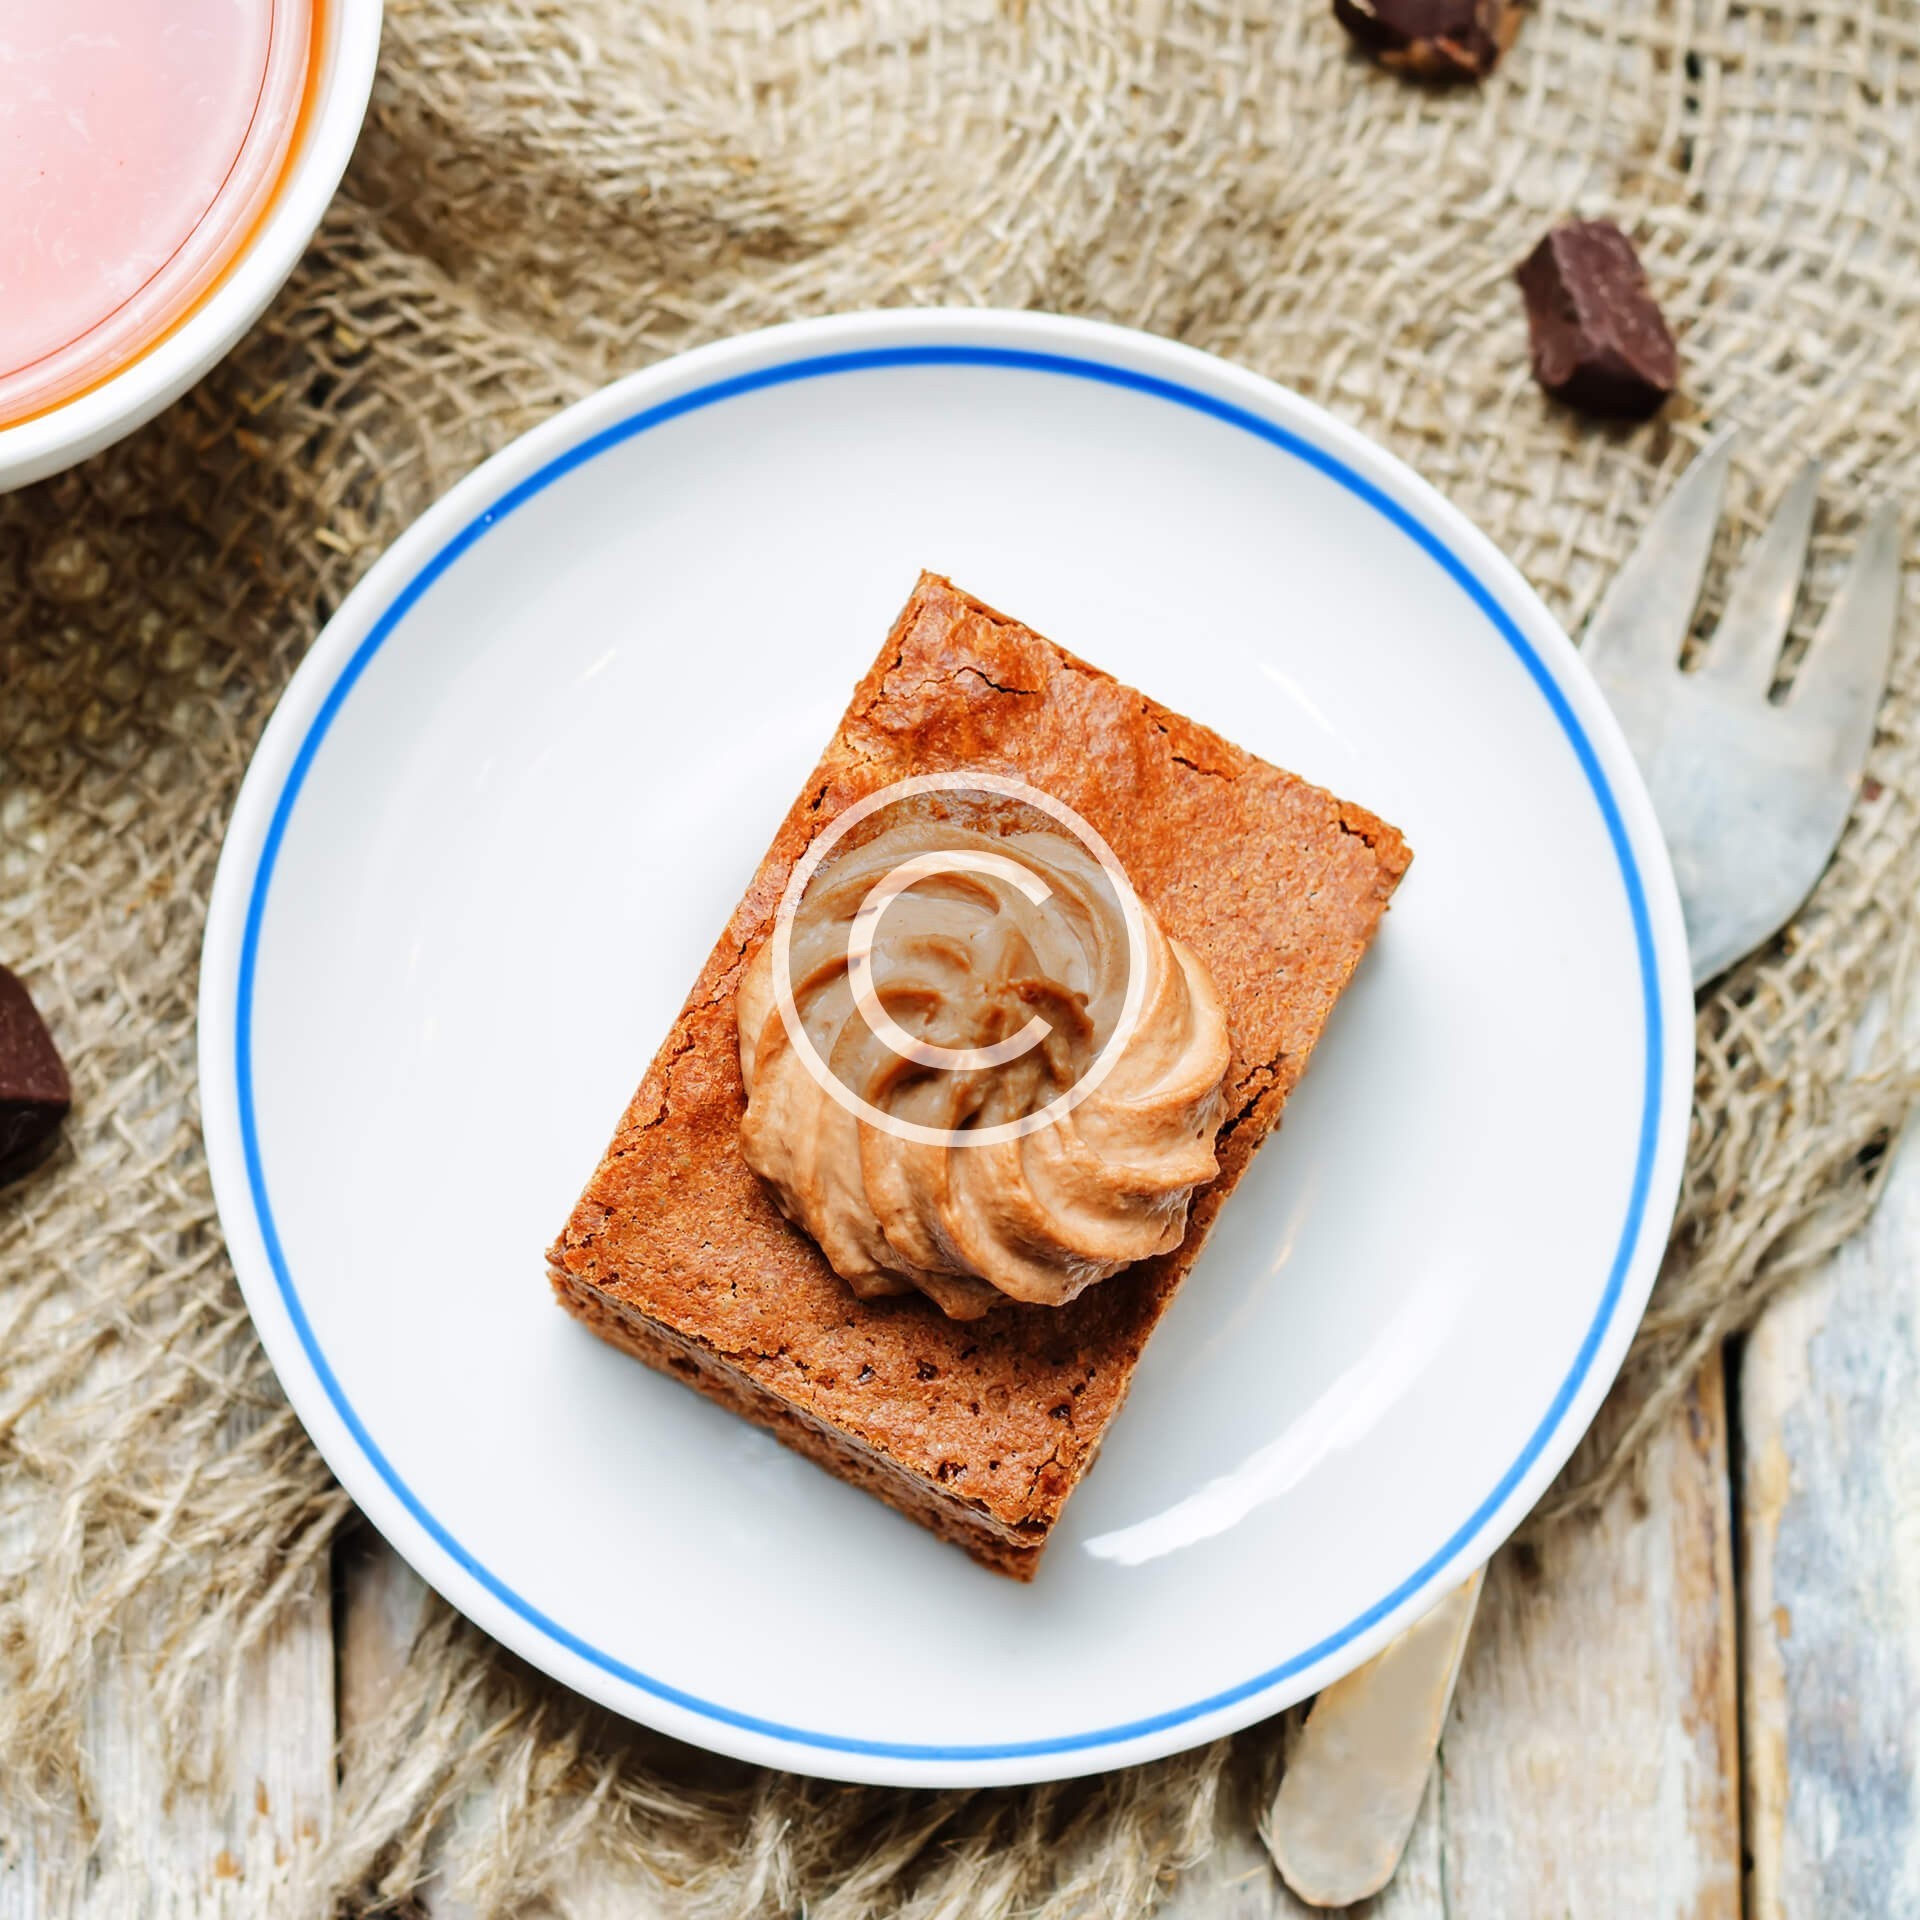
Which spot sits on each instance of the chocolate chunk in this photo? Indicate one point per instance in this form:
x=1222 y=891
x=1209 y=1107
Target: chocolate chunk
x=34 y=1090
x=1600 y=342
x=1434 y=39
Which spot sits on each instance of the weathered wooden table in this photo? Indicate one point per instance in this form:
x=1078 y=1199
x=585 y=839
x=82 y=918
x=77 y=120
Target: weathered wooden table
x=1710 y=1696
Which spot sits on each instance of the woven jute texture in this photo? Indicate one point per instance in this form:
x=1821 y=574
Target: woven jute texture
x=553 y=192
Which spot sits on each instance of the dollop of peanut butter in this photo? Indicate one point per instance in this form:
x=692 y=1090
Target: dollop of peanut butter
x=1025 y=958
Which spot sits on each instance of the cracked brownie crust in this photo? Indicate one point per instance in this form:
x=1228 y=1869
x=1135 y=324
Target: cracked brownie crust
x=677 y=1253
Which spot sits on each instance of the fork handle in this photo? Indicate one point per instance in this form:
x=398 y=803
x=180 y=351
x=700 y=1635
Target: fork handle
x=1355 y=1777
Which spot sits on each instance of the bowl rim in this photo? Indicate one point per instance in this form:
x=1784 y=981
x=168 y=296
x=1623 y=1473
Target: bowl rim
x=49 y=442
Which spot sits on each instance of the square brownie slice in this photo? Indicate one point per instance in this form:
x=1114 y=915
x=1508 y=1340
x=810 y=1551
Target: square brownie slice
x=679 y=1254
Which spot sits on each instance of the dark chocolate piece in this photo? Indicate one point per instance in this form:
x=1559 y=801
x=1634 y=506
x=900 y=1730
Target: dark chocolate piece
x=1600 y=342
x=34 y=1090
x=1433 y=39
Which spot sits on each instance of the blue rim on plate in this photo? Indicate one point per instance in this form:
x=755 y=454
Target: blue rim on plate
x=1069 y=366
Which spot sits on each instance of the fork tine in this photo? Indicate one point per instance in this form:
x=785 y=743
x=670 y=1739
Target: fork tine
x=1836 y=693
x=1745 y=650
x=1643 y=620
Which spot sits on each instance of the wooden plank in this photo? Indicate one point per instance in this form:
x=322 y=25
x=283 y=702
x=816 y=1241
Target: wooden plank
x=1830 y=1576
x=383 y=1604
x=235 y=1846
x=1591 y=1763
x=1237 y=1881
x=230 y=1828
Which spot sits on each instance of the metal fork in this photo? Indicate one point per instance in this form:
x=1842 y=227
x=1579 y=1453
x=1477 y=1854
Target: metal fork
x=1752 y=797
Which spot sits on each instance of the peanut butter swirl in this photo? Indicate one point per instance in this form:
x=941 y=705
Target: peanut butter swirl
x=971 y=961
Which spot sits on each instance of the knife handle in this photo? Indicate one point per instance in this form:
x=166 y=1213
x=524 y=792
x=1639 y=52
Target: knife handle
x=1354 y=1780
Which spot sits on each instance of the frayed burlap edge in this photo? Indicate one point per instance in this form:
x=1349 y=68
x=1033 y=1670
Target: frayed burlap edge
x=548 y=194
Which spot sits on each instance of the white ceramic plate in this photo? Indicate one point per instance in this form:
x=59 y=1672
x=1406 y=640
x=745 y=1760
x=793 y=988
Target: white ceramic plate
x=513 y=794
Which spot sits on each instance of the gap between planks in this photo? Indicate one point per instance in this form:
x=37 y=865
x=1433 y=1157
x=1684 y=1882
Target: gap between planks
x=1590 y=1763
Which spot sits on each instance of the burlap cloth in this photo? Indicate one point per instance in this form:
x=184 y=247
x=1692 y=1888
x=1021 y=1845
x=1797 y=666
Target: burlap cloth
x=552 y=192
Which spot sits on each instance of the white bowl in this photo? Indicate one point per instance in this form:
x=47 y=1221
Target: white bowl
x=52 y=441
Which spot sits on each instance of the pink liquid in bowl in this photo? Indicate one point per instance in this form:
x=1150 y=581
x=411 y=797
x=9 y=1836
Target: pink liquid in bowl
x=139 y=142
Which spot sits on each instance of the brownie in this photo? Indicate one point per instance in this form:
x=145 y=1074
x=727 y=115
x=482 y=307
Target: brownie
x=678 y=1253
